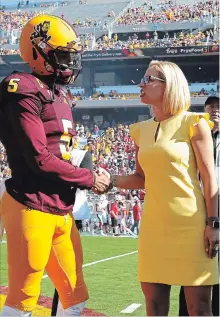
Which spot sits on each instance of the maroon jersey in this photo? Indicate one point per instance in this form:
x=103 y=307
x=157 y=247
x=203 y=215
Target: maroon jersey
x=36 y=127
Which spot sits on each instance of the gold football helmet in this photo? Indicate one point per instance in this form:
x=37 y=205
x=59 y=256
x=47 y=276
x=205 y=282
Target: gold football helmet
x=50 y=45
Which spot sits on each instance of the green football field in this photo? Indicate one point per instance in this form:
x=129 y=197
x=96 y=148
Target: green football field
x=112 y=283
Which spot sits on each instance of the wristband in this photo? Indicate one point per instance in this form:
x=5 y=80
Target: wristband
x=213 y=222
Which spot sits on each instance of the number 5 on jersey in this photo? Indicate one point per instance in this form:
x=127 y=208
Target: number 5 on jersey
x=65 y=139
x=13 y=85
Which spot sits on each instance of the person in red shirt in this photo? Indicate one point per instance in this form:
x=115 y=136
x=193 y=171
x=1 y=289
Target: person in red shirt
x=114 y=216
x=142 y=195
x=136 y=215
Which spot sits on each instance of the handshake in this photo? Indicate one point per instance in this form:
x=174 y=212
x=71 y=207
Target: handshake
x=102 y=182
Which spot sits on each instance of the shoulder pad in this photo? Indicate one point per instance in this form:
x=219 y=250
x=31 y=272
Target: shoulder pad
x=26 y=85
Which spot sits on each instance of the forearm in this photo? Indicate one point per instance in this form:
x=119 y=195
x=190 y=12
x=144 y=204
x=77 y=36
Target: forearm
x=135 y=181
x=211 y=198
x=61 y=171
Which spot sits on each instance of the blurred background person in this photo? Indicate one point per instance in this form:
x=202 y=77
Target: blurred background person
x=136 y=215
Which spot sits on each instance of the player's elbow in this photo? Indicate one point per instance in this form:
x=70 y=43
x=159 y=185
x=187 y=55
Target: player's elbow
x=39 y=162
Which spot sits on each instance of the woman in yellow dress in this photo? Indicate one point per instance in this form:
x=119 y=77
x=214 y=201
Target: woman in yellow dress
x=178 y=242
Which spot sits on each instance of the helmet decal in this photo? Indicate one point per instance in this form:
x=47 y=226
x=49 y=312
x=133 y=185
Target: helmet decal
x=40 y=31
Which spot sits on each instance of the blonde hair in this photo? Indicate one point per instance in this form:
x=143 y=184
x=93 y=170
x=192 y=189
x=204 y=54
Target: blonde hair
x=176 y=97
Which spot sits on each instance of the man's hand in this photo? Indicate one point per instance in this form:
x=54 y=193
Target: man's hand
x=103 y=171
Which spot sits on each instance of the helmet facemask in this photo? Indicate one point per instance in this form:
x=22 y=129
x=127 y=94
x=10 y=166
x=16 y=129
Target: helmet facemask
x=66 y=65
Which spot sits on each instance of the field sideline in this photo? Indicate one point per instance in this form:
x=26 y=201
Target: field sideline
x=112 y=284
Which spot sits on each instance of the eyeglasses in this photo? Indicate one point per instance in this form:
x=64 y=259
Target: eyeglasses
x=146 y=79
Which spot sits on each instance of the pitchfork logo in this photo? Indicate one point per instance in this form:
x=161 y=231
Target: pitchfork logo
x=40 y=31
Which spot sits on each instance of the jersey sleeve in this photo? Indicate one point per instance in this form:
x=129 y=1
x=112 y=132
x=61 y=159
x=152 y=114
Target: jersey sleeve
x=22 y=85
x=24 y=116
x=194 y=120
x=135 y=132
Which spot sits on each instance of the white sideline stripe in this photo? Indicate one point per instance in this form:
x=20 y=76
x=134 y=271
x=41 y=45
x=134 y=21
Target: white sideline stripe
x=103 y=260
x=45 y=276
x=3 y=241
x=130 y=309
x=108 y=259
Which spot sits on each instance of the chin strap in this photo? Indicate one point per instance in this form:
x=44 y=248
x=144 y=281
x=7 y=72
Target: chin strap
x=69 y=94
x=77 y=74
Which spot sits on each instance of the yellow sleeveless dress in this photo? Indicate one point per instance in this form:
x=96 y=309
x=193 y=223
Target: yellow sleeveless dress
x=171 y=245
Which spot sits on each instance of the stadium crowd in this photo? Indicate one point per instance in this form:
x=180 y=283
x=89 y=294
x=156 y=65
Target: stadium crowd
x=4 y=169
x=169 y=12
x=113 y=149
x=11 y=22
x=113 y=94
x=15 y=19
x=162 y=12
x=88 y=23
x=152 y=40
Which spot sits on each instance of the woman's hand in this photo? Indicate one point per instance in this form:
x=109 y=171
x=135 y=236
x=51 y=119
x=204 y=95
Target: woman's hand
x=211 y=237
x=102 y=172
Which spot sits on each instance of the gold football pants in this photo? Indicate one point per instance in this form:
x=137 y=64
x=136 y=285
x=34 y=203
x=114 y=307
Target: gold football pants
x=37 y=241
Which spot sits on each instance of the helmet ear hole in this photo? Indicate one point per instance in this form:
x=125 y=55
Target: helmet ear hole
x=34 y=54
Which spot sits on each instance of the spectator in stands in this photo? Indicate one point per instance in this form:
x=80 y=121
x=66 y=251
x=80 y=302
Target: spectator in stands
x=188 y=39
x=13 y=21
x=155 y=35
x=96 y=129
x=170 y=13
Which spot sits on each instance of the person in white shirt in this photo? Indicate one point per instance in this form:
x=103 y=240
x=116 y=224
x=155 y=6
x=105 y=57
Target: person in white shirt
x=101 y=208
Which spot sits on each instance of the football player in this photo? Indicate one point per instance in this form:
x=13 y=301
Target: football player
x=36 y=128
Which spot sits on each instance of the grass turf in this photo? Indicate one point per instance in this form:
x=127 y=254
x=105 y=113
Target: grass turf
x=113 y=284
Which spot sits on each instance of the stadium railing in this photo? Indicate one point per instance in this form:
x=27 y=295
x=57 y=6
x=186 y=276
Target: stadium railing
x=133 y=89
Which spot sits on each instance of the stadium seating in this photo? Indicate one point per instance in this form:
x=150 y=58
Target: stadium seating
x=133 y=92
x=195 y=87
x=94 y=10
x=167 y=12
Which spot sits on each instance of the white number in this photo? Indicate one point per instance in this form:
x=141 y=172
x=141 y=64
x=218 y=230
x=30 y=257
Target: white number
x=65 y=139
